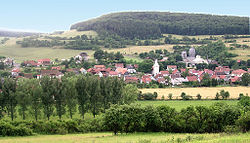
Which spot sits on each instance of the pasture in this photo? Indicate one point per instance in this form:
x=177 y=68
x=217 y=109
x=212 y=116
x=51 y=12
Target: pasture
x=205 y=92
x=180 y=104
x=130 y=138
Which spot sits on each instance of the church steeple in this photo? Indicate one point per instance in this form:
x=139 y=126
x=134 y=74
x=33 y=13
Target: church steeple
x=156 y=68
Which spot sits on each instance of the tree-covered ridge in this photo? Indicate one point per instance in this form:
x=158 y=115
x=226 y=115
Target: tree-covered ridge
x=153 y=24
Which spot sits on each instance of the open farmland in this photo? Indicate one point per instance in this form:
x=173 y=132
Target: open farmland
x=130 y=138
x=11 y=49
x=205 y=92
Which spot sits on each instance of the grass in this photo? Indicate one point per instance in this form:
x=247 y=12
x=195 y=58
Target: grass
x=180 y=104
x=11 y=49
x=205 y=92
x=140 y=49
x=197 y=36
x=73 y=33
x=131 y=138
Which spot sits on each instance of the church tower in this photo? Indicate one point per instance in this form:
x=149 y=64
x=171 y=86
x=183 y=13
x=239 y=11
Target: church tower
x=156 y=68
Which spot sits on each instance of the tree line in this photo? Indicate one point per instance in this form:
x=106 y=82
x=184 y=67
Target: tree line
x=199 y=119
x=146 y=25
x=53 y=96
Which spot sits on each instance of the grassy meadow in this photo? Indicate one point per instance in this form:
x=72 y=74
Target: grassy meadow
x=131 y=138
x=180 y=104
x=11 y=49
x=205 y=92
x=74 y=33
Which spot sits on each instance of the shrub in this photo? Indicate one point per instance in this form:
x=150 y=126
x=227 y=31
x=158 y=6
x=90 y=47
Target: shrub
x=198 y=97
x=244 y=122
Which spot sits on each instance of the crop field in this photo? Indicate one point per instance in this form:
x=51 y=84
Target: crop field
x=180 y=104
x=130 y=138
x=205 y=92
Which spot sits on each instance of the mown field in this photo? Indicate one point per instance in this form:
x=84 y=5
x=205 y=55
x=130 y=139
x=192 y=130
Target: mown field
x=131 y=138
x=180 y=104
x=205 y=92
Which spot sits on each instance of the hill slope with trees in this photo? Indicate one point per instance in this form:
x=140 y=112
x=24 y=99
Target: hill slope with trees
x=145 y=25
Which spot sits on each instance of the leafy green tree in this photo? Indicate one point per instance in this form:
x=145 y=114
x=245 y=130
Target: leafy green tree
x=60 y=98
x=48 y=92
x=245 y=79
x=82 y=94
x=36 y=94
x=70 y=92
x=23 y=96
x=170 y=96
x=198 y=96
x=95 y=96
x=168 y=117
x=206 y=81
x=130 y=93
x=9 y=95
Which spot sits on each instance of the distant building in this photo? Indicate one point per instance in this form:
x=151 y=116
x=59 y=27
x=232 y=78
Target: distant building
x=192 y=59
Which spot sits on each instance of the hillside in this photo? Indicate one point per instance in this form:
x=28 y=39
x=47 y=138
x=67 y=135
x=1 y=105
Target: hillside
x=153 y=24
x=5 y=33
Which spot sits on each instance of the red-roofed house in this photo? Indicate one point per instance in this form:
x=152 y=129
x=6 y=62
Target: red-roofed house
x=161 y=80
x=50 y=73
x=209 y=72
x=192 y=78
x=164 y=73
x=44 y=62
x=121 y=71
x=146 y=79
x=30 y=63
x=131 y=79
x=15 y=72
x=56 y=68
x=99 y=67
x=119 y=65
x=113 y=73
x=235 y=79
x=171 y=67
x=238 y=72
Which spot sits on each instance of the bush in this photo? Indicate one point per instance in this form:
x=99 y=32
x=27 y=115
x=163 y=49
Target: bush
x=244 y=122
x=7 y=129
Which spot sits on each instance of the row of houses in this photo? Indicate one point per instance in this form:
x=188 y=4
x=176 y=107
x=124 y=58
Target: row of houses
x=171 y=75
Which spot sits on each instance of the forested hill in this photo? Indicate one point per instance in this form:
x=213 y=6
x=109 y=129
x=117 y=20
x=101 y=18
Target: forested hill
x=152 y=24
x=4 y=33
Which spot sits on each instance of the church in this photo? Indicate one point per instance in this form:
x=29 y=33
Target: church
x=156 y=68
x=192 y=59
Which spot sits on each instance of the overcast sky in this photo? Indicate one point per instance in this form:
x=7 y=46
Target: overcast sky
x=52 y=15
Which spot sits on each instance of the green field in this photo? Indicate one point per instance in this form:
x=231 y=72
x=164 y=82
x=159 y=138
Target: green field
x=179 y=104
x=130 y=138
x=22 y=54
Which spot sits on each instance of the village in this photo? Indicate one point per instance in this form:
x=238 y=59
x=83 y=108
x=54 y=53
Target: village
x=171 y=76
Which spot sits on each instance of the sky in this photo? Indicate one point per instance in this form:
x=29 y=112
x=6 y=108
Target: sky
x=54 y=15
